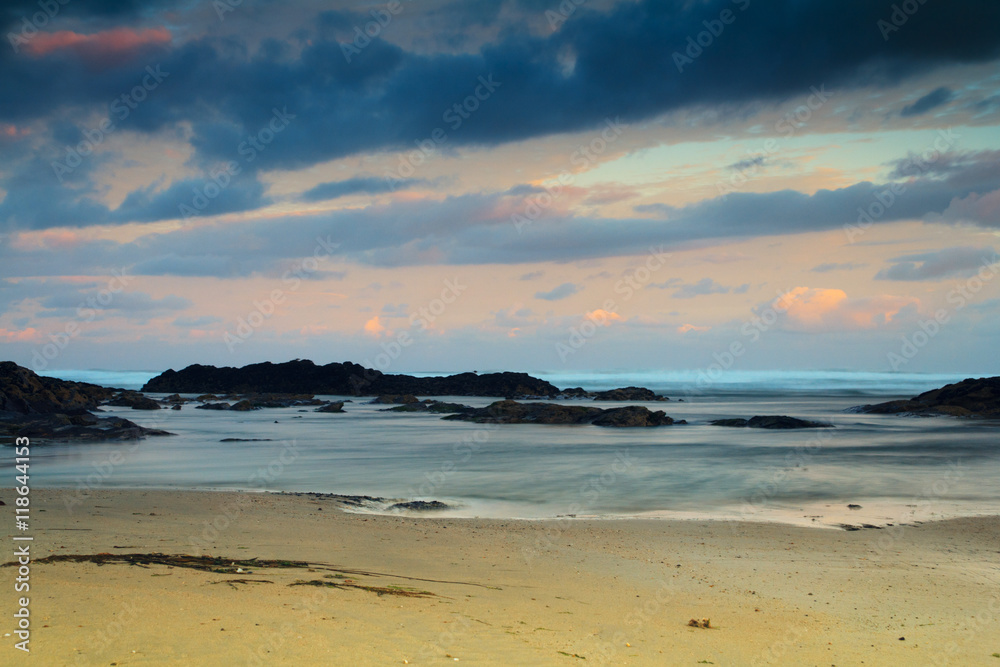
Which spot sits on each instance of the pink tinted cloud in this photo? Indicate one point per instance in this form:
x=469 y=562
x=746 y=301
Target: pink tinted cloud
x=374 y=327
x=815 y=310
x=22 y=336
x=101 y=48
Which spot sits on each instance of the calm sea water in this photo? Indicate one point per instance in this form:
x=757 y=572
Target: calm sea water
x=897 y=468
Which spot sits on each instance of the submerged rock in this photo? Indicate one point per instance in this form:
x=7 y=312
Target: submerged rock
x=777 y=422
x=337 y=406
x=512 y=412
x=134 y=400
x=420 y=505
x=632 y=416
x=439 y=407
x=394 y=399
x=213 y=406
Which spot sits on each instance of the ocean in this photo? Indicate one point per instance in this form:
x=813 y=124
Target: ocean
x=897 y=469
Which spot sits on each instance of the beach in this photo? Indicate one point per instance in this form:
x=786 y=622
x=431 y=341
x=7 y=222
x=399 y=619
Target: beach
x=424 y=590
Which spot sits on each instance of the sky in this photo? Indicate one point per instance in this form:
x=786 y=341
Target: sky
x=534 y=185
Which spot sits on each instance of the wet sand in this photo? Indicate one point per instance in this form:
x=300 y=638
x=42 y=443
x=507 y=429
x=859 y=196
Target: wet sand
x=558 y=592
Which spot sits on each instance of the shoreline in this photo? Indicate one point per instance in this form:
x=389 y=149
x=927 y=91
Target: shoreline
x=856 y=514
x=501 y=591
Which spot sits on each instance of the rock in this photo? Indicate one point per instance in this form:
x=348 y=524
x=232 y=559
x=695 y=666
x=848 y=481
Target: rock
x=629 y=394
x=53 y=409
x=439 y=407
x=207 y=397
x=337 y=406
x=175 y=398
x=60 y=427
x=22 y=391
x=134 y=400
x=392 y=399
x=176 y=407
x=512 y=412
x=246 y=440
x=420 y=505
x=853 y=507
x=346 y=378
x=734 y=423
x=775 y=422
x=244 y=406
x=213 y=406
x=632 y=416
x=968 y=398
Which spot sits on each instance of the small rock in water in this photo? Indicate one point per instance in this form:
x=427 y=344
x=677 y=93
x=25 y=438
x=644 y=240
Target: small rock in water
x=852 y=506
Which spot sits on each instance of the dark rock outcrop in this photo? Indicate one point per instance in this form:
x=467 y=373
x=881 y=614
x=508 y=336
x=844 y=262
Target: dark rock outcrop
x=776 y=422
x=244 y=406
x=134 y=400
x=214 y=406
x=24 y=392
x=341 y=379
x=628 y=394
x=394 y=399
x=337 y=406
x=512 y=412
x=51 y=409
x=968 y=398
x=420 y=505
x=439 y=407
x=632 y=416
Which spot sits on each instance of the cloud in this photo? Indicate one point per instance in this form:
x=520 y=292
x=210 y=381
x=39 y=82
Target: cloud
x=358 y=185
x=931 y=100
x=982 y=210
x=123 y=302
x=940 y=264
x=826 y=267
x=685 y=328
x=533 y=275
x=667 y=284
x=196 y=322
x=818 y=310
x=603 y=317
x=748 y=163
x=561 y=292
x=700 y=288
x=222 y=89
x=102 y=48
x=374 y=327
x=22 y=336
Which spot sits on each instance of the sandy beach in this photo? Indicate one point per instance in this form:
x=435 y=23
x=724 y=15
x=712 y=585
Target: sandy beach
x=420 y=590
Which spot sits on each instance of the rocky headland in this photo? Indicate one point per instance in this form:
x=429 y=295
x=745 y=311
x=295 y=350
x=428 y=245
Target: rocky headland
x=302 y=376
x=45 y=408
x=969 y=398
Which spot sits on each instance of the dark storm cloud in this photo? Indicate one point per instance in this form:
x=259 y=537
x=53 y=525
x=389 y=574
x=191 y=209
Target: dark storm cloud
x=623 y=64
x=931 y=100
